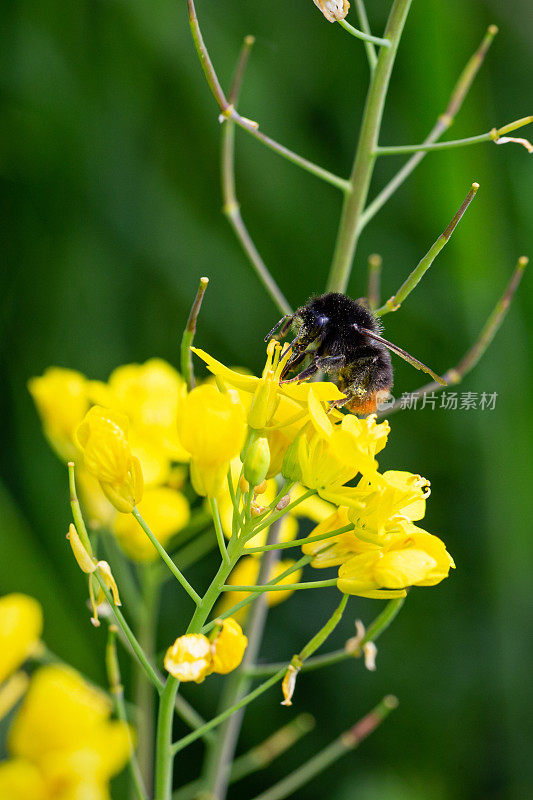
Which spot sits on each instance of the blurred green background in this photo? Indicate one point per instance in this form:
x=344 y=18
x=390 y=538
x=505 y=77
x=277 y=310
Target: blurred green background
x=111 y=212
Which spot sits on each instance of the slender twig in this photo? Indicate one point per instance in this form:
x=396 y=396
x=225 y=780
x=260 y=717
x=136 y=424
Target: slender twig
x=363 y=167
x=373 y=632
x=218 y=530
x=349 y=740
x=394 y=302
x=365 y=37
x=373 y=293
x=363 y=22
x=237 y=607
x=444 y=122
x=300 y=542
x=228 y=111
x=276 y=515
x=117 y=692
x=187 y=369
x=287 y=587
x=231 y=205
x=494 y=135
x=456 y=374
x=166 y=558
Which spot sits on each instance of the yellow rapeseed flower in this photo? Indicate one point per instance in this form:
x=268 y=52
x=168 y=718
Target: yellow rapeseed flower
x=189 y=658
x=419 y=559
x=103 y=437
x=165 y=511
x=62 y=398
x=62 y=743
x=21 y=625
x=211 y=427
x=228 y=647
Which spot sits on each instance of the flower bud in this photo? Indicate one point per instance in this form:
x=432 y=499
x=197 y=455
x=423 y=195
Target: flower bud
x=257 y=461
x=86 y=562
x=288 y=684
x=291 y=469
x=189 y=658
x=333 y=10
x=228 y=647
x=263 y=401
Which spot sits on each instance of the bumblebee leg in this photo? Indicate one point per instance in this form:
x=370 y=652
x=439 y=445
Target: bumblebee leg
x=296 y=358
x=284 y=324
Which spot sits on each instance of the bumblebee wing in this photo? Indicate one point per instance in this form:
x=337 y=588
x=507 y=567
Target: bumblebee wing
x=402 y=353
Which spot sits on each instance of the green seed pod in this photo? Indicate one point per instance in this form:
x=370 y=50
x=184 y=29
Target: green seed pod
x=257 y=461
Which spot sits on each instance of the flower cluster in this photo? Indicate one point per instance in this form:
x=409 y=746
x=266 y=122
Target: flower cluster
x=61 y=742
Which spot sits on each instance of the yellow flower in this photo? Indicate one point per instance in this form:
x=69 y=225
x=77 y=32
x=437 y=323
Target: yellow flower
x=325 y=456
x=336 y=550
x=386 y=500
x=165 y=511
x=150 y=394
x=62 y=743
x=246 y=573
x=62 y=398
x=420 y=559
x=211 y=427
x=103 y=437
x=333 y=10
x=189 y=658
x=228 y=647
x=21 y=625
x=98 y=511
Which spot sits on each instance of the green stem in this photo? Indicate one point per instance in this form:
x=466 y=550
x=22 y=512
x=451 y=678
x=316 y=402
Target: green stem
x=474 y=354
x=218 y=530
x=394 y=302
x=164 y=753
x=231 y=206
x=300 y=542
x=363 y=22
x=318 y=763
x=287 y=587
x=187 y=339
x=166 y=558
x=117 y=692
x=365 y=37
x=373 y=632
x=144 y=690
x=364 y=161
x=444 y=122
x=237 y=607
x=277 y=515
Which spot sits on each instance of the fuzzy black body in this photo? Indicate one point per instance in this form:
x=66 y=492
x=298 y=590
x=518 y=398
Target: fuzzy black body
x=327 y=327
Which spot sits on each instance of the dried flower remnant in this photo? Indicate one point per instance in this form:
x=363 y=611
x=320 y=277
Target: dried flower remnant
x=333 y=10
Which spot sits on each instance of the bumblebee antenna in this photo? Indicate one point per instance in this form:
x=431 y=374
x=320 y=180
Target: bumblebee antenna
x=281 y=324
x=402 y=353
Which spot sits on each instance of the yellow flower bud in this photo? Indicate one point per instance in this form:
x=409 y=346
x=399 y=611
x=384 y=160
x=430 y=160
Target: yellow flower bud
x=21 y=625
x=263 y=402
x=165 y=511
x=257 y=461
x=103 y=437
x=228 y=647
x=189 y=658
x=211 y=428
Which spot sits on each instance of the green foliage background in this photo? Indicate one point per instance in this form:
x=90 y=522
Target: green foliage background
x=111 y=212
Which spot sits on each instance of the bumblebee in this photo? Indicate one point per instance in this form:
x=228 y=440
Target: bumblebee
x=343 y=338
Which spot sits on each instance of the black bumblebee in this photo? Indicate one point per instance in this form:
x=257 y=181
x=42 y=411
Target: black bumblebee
x=343 y=338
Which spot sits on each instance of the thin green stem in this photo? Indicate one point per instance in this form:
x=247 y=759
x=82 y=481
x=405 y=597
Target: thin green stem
x=363 y=167
x=237 y=607
x=231 y=205
x=456 y=374
x=365 y=26
x=277 y=515
x=287 y=587
x=365 y=37
x=166 y=558
x=187 y=369
x=394 y=302
x=144 y=690
x=117 y=692
x=76 y=510
x=218 y=530
x=373 y=632
x=300 y=542
x=444 y=122
x=326 y=757
x=228 y=111
x=130 y=637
